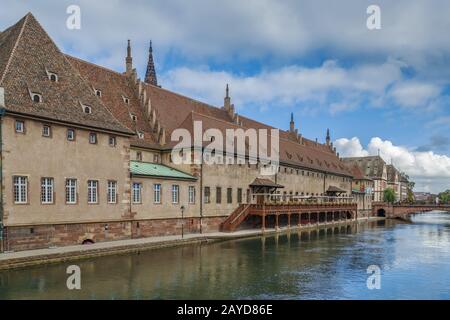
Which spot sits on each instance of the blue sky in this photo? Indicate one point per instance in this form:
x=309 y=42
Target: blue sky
x=386 y=90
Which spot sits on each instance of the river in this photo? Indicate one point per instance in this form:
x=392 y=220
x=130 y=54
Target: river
x=413 y=259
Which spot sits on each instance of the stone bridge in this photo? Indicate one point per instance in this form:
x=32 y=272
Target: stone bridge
x=382 y=209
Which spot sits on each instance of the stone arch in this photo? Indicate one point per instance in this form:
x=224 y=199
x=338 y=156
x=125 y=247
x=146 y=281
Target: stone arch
x=381 y=212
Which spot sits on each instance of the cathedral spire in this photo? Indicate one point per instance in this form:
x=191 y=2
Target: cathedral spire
x=129 y=60
x=150 y=75
x=292 y=124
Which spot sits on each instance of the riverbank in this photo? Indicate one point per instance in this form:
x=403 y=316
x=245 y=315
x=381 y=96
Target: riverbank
x=23 y=259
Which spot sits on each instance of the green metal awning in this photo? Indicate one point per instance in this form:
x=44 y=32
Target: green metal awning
x=156 y=170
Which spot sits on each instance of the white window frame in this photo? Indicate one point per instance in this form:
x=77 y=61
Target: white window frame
x=20 y=129
x=73 y=134
x=175 y=194
x=191 y=194
x=157 y=193
x=47 y=188
x=49 y=133
x=93 y=134
x=20 y=186
x=92 y=191
x=71 y=191
x=113 y=139
x=136 y=193
x=112 y=192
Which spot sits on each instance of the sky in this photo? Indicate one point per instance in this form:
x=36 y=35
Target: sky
x=384 y=91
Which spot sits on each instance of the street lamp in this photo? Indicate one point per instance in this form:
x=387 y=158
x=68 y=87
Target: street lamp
x=182 y=222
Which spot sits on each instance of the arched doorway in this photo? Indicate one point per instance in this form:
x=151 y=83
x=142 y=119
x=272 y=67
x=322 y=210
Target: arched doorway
x=381 y=213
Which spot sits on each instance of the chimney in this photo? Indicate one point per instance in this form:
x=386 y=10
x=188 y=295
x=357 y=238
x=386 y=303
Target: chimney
x=2 y=97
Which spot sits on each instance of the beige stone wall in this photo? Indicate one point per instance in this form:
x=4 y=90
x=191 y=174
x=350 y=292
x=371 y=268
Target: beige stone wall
x=147 y=209
x=35 y=156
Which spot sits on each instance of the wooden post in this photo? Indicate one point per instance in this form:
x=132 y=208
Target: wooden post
x=276 y=221
x=289 y=219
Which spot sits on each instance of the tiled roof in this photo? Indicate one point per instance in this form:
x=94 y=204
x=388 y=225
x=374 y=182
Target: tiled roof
x=258 y=182
x=29 y=54
x=391 y=173
x=358 y=173
x=114 y=87
x=157 y=170
x=371 y=166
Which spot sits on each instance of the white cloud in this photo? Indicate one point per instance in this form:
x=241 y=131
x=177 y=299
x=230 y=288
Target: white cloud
x=429 y=170
x=414 y=94
x=350 y=147
x=328 y=85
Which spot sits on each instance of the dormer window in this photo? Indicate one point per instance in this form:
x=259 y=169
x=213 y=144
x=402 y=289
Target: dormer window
x=133 y=117
x=87 y=109
x=140 y=135
x=126 y=100
x=98 y=93
x=53 y=77
x=36 y=97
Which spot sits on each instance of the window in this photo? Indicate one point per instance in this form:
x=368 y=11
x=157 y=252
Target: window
x=98 y=93
x=71 y=191
x=92 y=191
x=87 y=109
x=175 y=193
x=239 y=195
x=112 y=192
x=133 y=117
x=126 y=100
x=92 y=138
x=70 y=134
x=156 y=193
x=20 y=189
x=47 y=190
x=156 y=158
x=218 y=195
x=112 y=141
x=52 y=77
x=36 y=97
x=229 y=195
x=140 y=135
x=207 y=194
x=137 y=187
x=191 y=194
x=20 y=126
x=46 y=131
x=138 y=155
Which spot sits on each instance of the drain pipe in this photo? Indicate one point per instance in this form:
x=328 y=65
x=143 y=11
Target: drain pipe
x=2 y=113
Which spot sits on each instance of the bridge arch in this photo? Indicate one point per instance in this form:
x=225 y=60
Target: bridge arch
x=381 y=212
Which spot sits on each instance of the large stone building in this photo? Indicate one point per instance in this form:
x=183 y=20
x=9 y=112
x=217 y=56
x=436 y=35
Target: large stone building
x=374 y=168
x=87 y=152
x=362 y=190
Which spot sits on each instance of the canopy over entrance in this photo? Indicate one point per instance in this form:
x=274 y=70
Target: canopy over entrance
x=333 y=190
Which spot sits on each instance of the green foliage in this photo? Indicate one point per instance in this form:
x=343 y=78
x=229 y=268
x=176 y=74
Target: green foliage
x=444 y=197
x=389 y=195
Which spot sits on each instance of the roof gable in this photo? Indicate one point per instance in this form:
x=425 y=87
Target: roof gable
x=33 y=56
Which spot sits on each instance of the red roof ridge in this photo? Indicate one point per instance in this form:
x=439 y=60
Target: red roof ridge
x=182 y=96
x=96 y=65
x=25 y=20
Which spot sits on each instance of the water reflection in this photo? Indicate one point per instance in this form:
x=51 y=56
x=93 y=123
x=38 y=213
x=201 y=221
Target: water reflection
x=329 y=263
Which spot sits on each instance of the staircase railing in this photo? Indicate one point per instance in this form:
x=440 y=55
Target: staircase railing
x=236 y=218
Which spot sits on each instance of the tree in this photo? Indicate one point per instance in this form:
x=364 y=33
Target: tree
x=389 y=195
x=444 y=197
x=410 y=196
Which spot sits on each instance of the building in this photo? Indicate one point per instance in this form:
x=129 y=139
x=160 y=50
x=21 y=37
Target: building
x=404 y=188
x=87 y=153
x=362 y=190
x=374 y=168
x=393 y=181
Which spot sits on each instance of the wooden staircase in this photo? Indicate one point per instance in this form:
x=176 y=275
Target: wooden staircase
x=235 y=218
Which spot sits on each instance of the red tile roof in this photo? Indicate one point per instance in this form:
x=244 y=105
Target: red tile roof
x=30 y=55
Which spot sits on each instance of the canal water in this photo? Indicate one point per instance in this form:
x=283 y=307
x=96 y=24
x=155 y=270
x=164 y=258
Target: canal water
x=413 y=259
